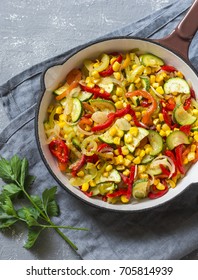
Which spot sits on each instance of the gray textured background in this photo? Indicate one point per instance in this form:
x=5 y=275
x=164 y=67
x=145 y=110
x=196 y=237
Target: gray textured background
x=34 y=30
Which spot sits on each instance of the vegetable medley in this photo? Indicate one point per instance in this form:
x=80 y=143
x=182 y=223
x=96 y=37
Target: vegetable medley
x=124 y=127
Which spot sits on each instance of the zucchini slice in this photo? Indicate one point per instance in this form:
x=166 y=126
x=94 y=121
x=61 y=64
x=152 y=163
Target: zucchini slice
x=84 y=96
x=176 y=138
x=145 y=83
x=114 y=177
x=156 y=142
x=60 y=90
x=176 y=85
x=147 y=159
x=107 y=87
x=140 y=189
x=103 y=105
x=106 y=138
x=151 y=60
x=77 y=110
x=182 y=117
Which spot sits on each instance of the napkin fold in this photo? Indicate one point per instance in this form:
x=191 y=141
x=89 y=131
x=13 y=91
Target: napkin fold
x=167 y=232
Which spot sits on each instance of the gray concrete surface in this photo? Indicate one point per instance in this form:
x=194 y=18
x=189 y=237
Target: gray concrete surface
x=34 y=30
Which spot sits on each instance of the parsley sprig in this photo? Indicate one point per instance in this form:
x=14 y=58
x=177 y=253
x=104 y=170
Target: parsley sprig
x=37 y=210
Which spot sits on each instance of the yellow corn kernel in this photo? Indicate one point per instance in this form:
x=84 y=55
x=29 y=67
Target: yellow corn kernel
x=141 y=168
x=126 y=172
x=125 y=150
x=160 y=187
x=116 y=152
x=117 y=75
x=179 y=74
x=88 y=80
x=134 y=66
x=158 y=127
x=134 y=131
x=156 y=181
x=106 y=174
x=162 y=133
x=156 y=121
x=195 y=112
x=113 y=131
x=142 y=153
x=92 y=183
x=137 y=160
x=193 y=148
x=161 y=118
x=115 y=98
x=128 y=138
x=171 y=183
x=116 y=66
x=120 y=159
x=137 y=152
x=91 y=85
x=152 y=79
x=62 y=117
x=191 y=156
x=95 y=74
x=112 y=60
x=85 y=187
x=185 y=161
x=120 y=133
x=148 y=149
x=128 y=117
x=59 y=110
x=124 y=199
x=160 y=90
x=81 y=174
x=50 y=108
x=116 y=140
x=168 y=132
x=130 y=157
x=61 y=124
x=137 y=80
x=165 y=127
x=155 y=85
x=127 y=162
x=143 y=176
x=196 y=137
x=159 y=78
x=119 y=91
x=119 y=104
x=138 y=114
x=120 y=167
x=109 y=167
x=147 y=70
x=138 y=85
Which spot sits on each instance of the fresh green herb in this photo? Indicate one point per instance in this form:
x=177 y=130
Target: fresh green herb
x=37 y=212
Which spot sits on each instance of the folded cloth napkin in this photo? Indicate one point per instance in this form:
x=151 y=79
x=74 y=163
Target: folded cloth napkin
x=167 y=232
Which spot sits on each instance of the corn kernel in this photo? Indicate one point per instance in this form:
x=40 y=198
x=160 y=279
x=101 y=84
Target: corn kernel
x=142 y=153
x=62 y=117
x=88 y=80
x=156 y=121
x=119 y=91
x=147 y=70
x=158 y=127
x=115 y=98
x=124 y=199
x=143 y=176
x=168 y=132
x=155 y=85
x=120 y=133
x=130 y=157
x=171 y=183
x=137 y=80
x=159 y=78
x=185 y=161
x=109 y=167
x=160 y=90
x=156 y=181
x=127 y=162
x=161 y=117
x=195 y=112
x=113 y=131
x=193 y=148
x=162 y=133
x=61 y=124
x=128 y=138
x=112 y=60
x=116 y=66
x=125 y=150
x=95 y=74
x=152 y=79
x=196 y=137
x=106 y=174
x=138 y=85
x=126 y=172
x=85 y=187
x=137 y=152
x=134 y=66
x=191 y=156
x=165 y=127
x=91 y=85
x=160 y=187
x=117 y=75
x=80 y=174
x=179 y=74
x=116 y=140
x=119 y=104
x=116 y=152
x=59 y=110
x=128 y=117
x=137 y=160
x=120 y=159
x=138 y=114
x=120 y=167
x=141 y=168
x=92 y=183
x=134 y=131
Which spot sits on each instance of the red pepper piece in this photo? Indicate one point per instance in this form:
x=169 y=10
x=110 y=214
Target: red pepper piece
x=109 y=71
x=171 y=155
x=144 y=103
x=169 y=105
x=125 y=179
x=97 y=92
x=186 y=128
x=153 y=195
x=117 y=193
x=178 y=153
x=60 y=150
x=122 y=112
x=164 y=170
x=78 y=165
x=187 y=103
x=168 y=68
x=105 y=125
x=131 y=181
x=192 y=93
x=136 y=122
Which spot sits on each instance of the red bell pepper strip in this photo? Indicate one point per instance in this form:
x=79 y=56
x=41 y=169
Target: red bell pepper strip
x=187 y=103
x=186 y=128
x=168 y=68
x=122 y=112
x=78 y=165
x=97 y=92
x=131 y=181
x=109 y=71
x=169 y=105
x=168 y=119
x=117 y=193
x=178 y=153
x=192 y=93
x=164 y=170
x=60 y=150
x=153 y=195
x=125 y=179
x=104 y=125
x=171 y=155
